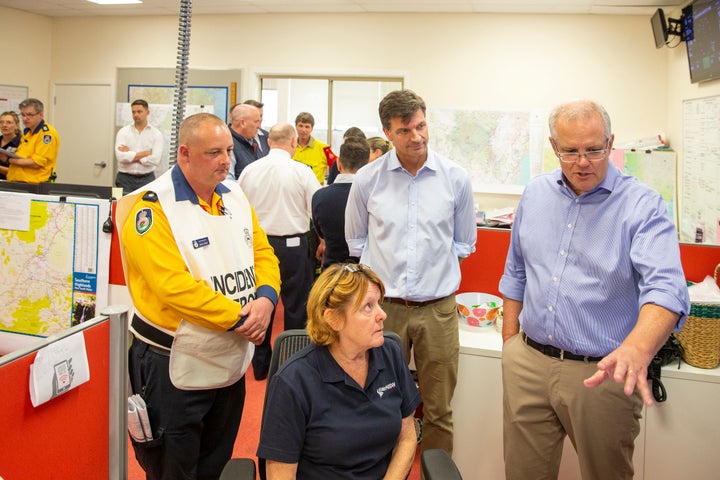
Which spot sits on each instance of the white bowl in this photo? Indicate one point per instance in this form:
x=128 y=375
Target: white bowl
x=470 y=313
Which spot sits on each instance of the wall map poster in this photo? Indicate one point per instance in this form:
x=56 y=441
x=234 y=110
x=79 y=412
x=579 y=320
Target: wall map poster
x=55 y=260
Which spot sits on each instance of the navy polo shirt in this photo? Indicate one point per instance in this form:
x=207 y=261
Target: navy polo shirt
x=320 y=418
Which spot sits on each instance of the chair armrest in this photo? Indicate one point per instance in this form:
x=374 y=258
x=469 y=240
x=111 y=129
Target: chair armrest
x=239 y=469
x=437 y=465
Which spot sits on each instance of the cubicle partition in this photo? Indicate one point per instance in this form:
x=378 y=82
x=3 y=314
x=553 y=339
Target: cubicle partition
x=80 y=433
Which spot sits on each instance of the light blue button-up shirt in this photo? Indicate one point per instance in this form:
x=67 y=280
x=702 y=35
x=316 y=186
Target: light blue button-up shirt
x=411 y=229
x=584 y=265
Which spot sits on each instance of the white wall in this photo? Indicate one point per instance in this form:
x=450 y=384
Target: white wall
x=452 y=60
x=27 y=58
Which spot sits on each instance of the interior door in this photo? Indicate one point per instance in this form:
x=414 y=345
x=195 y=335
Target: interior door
x=83 y=116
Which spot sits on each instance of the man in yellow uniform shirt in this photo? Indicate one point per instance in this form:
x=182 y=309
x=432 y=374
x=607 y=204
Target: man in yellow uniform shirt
x=310 y=151
x=38 y=148
x=204 y=281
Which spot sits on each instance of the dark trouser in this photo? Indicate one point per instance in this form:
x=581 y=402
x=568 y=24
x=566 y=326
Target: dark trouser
x=296 y=274
x=130 y=182
x=193 y=431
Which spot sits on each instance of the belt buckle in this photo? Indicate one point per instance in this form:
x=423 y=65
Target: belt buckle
x=562 y=355
x=408 y=305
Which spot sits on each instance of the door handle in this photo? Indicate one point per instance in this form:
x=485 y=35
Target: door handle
x=100 y=164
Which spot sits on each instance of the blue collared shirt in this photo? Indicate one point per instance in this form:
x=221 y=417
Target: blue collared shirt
x=584 y=265
x=411 y=230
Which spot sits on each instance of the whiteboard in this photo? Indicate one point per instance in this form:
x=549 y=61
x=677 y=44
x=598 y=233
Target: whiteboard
x=700 y=201
x=11 y=96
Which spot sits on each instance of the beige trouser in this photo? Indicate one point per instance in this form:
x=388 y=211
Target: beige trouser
x=544 y=399
x=432 y=331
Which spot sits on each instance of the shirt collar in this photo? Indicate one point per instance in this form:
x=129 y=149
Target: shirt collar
x=344 y=178
x=37 y=129
x=331 y=372
x=310 y=143
x=183 y=190
x=393 y=162
x=607 y=184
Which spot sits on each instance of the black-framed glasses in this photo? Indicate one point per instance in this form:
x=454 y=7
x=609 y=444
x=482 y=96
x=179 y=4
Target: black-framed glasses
x=590 y=155
x=28 y=114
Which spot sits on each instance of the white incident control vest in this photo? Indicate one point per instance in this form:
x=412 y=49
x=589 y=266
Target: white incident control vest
x=218 y=250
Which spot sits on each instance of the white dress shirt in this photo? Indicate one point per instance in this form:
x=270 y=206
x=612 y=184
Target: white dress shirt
x=150 y=138
x=280 y=190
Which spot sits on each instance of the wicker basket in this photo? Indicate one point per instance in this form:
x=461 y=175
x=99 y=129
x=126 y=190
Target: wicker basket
x=700 y=337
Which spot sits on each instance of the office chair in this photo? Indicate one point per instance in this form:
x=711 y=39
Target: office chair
x=286 y=344
x=436 y=464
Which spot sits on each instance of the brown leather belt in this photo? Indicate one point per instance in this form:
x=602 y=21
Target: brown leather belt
x=555 y=352
x=411 y=303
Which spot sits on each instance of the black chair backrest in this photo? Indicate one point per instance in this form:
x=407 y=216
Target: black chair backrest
x=291 y=341
x=286 y=344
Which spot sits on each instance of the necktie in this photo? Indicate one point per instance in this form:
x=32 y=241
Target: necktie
x=255 y=147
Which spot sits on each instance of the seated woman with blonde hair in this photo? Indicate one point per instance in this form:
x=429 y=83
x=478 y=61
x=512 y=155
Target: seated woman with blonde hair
x=343 y=406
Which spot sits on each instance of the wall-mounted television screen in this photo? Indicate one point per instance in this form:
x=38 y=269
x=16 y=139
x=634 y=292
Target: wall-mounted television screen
x=701 y=24
x=659 y=28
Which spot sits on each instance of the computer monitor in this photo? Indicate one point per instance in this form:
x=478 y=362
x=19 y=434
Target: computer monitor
x=701 y=22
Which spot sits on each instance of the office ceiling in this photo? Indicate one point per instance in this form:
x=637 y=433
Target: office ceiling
x=78 y=8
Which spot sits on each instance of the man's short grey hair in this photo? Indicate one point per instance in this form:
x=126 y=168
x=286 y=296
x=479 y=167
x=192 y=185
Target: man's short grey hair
x=242 y=111
x=281 y=134
x=32 y=102
x=578 y=109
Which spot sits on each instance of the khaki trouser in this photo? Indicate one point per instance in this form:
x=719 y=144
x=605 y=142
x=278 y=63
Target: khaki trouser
x=432 y=332
x=544 y=399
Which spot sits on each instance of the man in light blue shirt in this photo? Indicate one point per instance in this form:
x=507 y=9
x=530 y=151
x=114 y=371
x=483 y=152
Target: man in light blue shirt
x=410 y=217
x=593 y=287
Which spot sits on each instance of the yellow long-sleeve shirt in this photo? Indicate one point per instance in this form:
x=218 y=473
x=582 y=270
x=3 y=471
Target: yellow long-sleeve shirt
x=162 y=288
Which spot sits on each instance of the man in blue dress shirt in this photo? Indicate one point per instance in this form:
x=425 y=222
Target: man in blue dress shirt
x=592 y=288
x=410 y=217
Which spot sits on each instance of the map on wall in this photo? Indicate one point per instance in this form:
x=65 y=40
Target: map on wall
x=656 y=169
x=700 y=201
x=501 y=149
x=55 y=261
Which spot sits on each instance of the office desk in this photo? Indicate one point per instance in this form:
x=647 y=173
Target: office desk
x=678 y=438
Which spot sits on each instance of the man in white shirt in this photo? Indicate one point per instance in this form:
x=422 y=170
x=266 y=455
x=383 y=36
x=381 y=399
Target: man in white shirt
x=138 y=149
x=281 y=190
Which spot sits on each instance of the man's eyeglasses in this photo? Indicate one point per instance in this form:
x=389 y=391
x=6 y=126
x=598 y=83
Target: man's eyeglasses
x=27 y=114
x=590 y=155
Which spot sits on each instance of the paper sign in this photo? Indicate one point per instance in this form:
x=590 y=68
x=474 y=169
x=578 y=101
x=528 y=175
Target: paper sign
x=58 y=368
x=15 y=212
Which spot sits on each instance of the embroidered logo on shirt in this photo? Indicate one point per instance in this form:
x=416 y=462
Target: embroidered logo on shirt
x=143 y=221
x=381 y=391
x=47 y=139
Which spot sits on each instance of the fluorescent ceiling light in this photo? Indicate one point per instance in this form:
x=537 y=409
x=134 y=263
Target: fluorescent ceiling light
x=114 y=2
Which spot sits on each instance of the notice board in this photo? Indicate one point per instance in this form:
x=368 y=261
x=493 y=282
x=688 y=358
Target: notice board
x=700 y=201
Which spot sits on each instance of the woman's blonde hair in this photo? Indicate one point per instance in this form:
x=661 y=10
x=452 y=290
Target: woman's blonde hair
x=379 y=143
x=335 y=290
